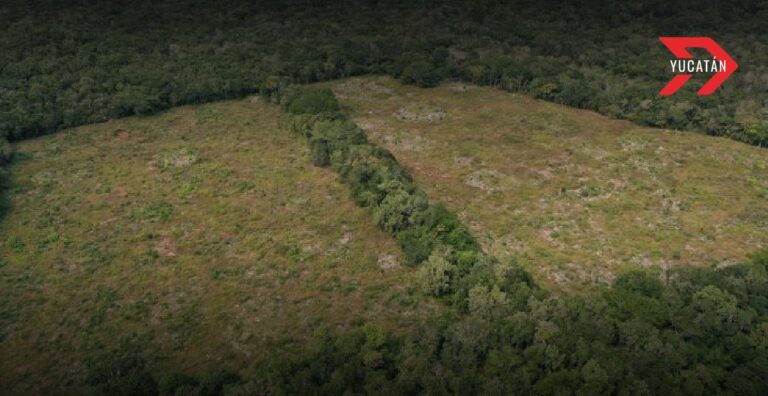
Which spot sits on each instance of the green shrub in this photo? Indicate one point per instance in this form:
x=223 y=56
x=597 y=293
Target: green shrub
x=125 y=375
x=416 y=243
x=158 y=211
x=313 y=101
x=760 y=258
x=719 y=305
x=397 y=209
x=641 y=282
x=319 y=153
x=177 y=384
x=340 y=135
x=421 y=73
x=486 y=302
x=216 y=382
x=510 y=275
x=459 y=238
x=369 y=173
x=362 y=180
x=3 y=178
x=447 y=228
x=273 y=87
x=6 y=151
x=303 y=123
x=435 y=274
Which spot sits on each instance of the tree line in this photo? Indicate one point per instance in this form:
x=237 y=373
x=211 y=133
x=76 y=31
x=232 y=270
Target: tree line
x=66 y=63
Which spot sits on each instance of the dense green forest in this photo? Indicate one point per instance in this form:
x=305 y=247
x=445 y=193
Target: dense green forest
x=694 y=331
x=66 y=63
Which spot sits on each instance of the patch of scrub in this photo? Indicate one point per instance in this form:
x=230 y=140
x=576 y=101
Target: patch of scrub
x=360 y=86
x=489 y=180
x=420 y=112
x=178 y=158
x=175 y=236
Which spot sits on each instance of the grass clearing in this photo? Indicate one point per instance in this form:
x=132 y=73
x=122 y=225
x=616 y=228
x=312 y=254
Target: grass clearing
x=575 y=196
x=202 y=234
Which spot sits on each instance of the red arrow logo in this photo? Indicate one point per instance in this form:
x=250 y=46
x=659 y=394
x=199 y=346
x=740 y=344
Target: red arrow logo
x=678 y=45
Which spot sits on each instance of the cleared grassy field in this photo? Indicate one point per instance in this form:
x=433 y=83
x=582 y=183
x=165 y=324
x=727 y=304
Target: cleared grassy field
x=573 y=195
x=203 y=235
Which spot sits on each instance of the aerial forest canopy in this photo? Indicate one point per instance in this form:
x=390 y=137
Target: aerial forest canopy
x=487 y=326
x=67 y=63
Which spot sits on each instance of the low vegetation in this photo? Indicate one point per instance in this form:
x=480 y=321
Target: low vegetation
x=699 y=330
x=6 y=154
x=181 y=251
x=574 y=197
